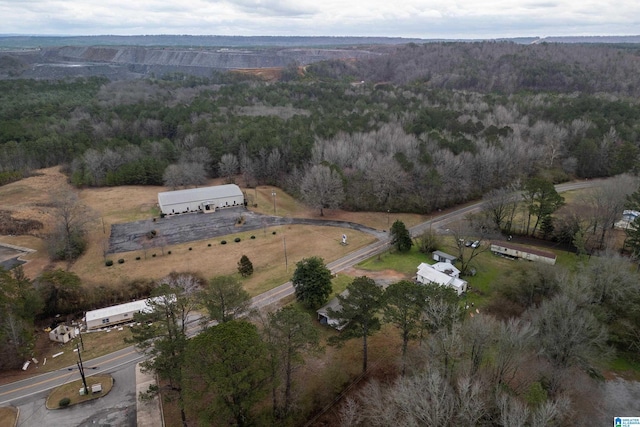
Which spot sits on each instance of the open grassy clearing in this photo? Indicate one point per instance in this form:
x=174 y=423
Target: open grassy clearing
x=406 y=263
x=129 y=203
x=70 y=390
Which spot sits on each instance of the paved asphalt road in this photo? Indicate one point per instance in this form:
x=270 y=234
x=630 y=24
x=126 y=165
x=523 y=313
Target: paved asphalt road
x=17 y=392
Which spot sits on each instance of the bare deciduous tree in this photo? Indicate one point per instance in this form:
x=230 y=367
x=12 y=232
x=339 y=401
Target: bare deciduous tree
x=607 y=201
x=71 y=219
x=228 y=166
x=500 y=206
x=569 y=335
x=322 y=188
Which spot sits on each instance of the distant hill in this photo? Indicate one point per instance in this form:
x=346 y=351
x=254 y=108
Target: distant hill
x=29 y=42
x=501 y=64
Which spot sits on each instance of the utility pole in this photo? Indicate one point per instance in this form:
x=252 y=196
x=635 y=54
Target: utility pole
x=81 y=369
x=286 y=263
x=80 y=335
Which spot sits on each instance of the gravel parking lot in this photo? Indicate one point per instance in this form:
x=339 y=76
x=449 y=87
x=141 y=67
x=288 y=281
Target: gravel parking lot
x=185 y=228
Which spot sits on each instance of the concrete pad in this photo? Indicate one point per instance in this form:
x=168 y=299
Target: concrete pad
x=149 y=412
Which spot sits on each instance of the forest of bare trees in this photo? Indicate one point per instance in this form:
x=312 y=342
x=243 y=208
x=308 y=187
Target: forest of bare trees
x=450 y=122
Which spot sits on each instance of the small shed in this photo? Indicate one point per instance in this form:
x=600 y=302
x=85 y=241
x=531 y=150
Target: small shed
x=428 y=274
x=440 y=256
x=116 y=314
x=516 y=252
x=323 y=312
x=62 y=333
x=204 y=199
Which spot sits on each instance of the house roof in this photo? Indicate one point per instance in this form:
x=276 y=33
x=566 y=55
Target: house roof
x=199 y=194
x=61 y=329
x=432 y=275
x=445 y=267
x=333 y=304
x=116 y=310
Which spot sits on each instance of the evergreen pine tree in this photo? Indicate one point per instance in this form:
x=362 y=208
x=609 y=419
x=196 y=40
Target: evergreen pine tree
x=245 y=266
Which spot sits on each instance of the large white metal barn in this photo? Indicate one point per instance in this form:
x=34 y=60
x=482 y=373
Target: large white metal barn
x=204 y=199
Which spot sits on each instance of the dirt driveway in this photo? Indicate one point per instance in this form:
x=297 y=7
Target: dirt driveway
x=382 y=277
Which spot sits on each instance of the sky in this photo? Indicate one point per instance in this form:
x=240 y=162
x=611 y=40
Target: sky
x=469 y=19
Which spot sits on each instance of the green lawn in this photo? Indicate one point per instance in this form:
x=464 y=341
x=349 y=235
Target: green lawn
x=404 y=262
x=489 y=268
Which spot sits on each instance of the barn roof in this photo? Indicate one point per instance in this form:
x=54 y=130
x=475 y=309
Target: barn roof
x=199 y=194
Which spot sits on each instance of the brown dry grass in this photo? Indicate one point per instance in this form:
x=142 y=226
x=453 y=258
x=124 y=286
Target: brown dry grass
x=95 y=344
x=70 y=390
x=28 y=198
x=8 y=416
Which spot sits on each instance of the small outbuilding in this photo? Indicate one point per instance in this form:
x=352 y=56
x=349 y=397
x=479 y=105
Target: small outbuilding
x=62 y=333
x=448 y=277
x=440 y=256
x=204 y=199
x=516 y=252
x=116 y=314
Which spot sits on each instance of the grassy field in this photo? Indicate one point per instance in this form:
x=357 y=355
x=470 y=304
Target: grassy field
x=95 y=344
x=29 y=198
x=70 y=390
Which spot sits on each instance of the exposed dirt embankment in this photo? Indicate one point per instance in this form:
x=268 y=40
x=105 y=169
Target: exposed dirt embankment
x=135 y=61
x=213 y=58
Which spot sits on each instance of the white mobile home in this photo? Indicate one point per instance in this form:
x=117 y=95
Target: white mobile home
x=513 y=251
x=204 y=199
x=428 y=274
x=109 y=316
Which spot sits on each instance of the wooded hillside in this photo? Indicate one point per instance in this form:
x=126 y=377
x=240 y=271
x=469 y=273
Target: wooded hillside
x=419 y=128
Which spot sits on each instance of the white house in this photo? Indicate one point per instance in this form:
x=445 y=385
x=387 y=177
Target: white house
x=514 y=251
x=204 y=199
x=62 y=333
x=448 y=277
x=446 y=268
x=628 y=216
x=109 y=316
x=323 y=312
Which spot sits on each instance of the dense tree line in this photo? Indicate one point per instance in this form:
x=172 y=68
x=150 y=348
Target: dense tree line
x=501 y=67
x=414 y=144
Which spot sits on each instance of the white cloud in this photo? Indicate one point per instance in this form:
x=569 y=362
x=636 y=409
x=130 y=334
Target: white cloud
x=407 y=18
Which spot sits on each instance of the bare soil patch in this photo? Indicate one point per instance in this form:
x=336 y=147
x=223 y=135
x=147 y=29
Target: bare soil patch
x=382 y=277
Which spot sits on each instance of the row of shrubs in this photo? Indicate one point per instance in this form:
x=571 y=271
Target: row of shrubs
x=109 y=262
